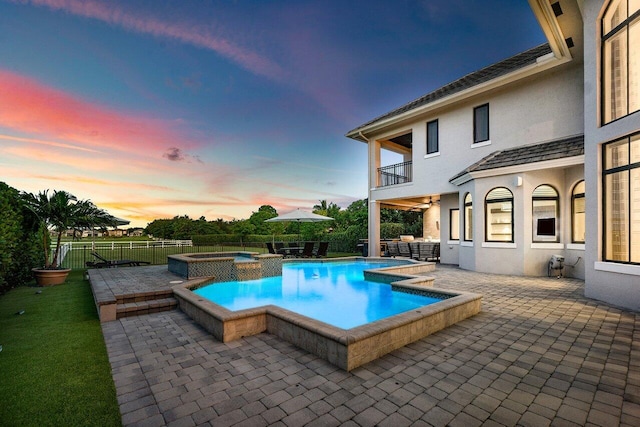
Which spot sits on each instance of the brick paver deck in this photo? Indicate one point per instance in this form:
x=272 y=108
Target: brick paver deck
x=539 y=354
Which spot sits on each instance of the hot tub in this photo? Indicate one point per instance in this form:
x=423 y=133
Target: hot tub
x=225 y=266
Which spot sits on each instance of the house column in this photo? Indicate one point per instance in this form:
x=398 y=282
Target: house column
x=374 y=206
x=374 y=228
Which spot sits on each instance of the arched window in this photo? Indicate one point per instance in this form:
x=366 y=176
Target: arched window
x=499 y=215
x=545 y=211
x=578 y=228
x=468 y=218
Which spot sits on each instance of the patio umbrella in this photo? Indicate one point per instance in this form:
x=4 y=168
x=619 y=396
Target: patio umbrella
x=115 y=222
x=119 y=221
x=299 y=216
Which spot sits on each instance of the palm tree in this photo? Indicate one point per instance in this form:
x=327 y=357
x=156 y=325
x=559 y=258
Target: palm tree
x=59 y=212
x=320 y=208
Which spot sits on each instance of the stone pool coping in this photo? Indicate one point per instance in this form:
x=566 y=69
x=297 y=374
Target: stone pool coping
x=345 y=348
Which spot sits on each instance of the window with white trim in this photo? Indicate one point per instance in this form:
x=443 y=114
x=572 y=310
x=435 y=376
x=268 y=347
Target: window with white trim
x=432 y=137
x=499 y=215
x=454 y=224
x=545 y=202
x=468 y=218
x=578 y=224
x=481 y=123
x=620 y=90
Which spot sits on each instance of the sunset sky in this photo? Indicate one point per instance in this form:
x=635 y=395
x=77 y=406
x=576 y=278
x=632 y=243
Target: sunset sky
x=155 y=108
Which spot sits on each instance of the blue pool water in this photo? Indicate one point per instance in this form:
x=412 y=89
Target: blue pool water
x=332 y=292
x=242 y=258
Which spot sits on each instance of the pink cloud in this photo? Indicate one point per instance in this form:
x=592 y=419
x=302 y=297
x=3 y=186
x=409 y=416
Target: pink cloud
x=103 y=182
x=202 y=37
x=34 y=108
x=131 y=165
x=45 y=142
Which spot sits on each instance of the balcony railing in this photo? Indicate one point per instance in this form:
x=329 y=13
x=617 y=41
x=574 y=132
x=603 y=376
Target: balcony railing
x=395 y=174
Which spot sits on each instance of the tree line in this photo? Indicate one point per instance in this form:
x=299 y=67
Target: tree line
x=351 y=220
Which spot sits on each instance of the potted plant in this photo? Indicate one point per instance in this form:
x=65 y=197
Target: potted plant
x=58 y=213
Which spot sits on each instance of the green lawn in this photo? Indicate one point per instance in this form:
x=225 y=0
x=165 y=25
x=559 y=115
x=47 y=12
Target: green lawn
x=54 y=368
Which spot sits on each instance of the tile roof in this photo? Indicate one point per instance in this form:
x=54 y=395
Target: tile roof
x=525 y=154
x=485 y=74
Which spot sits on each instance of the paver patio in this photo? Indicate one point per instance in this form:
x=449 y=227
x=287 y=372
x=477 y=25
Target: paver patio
x=539 y=353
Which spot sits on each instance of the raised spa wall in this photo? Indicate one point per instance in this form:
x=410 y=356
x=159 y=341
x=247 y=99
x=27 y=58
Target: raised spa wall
x=345 y=348
x=225 y=266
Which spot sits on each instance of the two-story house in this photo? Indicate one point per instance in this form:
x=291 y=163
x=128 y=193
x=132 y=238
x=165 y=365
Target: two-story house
x=534 y=156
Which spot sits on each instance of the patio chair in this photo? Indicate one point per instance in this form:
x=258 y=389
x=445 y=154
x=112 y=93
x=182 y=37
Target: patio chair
x=415 y=250
x=270 y=248
x=392 y=248
x=107 y=263
x=307 y=251
x=430 y=251
x=322 y=250
x=280 y=248
x=403 y=248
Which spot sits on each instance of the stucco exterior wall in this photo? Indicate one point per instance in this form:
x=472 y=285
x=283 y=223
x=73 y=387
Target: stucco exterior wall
x=574 y=252
x=614 y=283
x=537 y=255
x=500 y=258
x=540 y=108
x=467 y=257
x=523 y=256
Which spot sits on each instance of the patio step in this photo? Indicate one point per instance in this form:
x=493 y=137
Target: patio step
x=145 y=306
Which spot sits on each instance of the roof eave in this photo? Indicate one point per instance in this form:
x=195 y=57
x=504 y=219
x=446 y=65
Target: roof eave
x=543 y=63
x=461 y=179
x=526 y=167
x=561 y=54
x=549 y=24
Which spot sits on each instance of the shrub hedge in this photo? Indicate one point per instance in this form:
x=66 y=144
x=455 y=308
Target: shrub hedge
x=19 y=246
x=346 y=241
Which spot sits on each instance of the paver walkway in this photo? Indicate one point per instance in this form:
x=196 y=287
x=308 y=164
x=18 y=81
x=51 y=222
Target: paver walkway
x=540 y=353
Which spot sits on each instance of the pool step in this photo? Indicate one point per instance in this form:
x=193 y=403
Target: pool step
x=145 y=303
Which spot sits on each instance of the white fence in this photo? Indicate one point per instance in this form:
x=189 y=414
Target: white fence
x=133 y=244
x=67 y=247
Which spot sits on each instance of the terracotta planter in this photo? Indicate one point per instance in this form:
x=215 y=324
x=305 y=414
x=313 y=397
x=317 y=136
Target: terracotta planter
x=50 y=277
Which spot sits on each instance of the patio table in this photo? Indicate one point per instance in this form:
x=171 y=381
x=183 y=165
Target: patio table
x=295 y=251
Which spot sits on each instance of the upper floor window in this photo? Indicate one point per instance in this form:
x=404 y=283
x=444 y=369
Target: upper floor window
x=545 y=202
x=620 y=59
x=578 y=228
x=621 y=222
x=499 y=215
x=432 y=137
x=468 y=218
x=454 y=224
x=481 y=123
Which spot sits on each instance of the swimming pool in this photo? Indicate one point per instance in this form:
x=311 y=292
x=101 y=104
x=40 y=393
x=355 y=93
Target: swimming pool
x=345 y=348
x=335 y=293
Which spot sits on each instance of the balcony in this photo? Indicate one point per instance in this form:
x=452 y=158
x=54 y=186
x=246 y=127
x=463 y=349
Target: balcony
x=399 y=173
